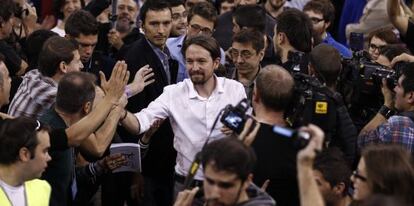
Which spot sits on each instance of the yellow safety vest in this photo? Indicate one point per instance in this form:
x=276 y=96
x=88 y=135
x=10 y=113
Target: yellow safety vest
x=37 y=193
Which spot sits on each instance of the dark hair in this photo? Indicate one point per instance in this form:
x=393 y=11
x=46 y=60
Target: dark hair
x=35 y=42
x=408 y=81
x=154 y=5
x=254 y=37
x=205 y=10
x=175 y=3
x=251 y=16
x=81 y=22
x=230 y=155
x=74 y=91
x=392 y=50
x=55 y=50
x=390 y=171
x=7 y=9
x=208 y=43
x=334 y=168
x=325 y=7
x=326 y=62
x=58 y=5
x=274 y=86
x=385 y=34
x=297 y=27
x=16 y=134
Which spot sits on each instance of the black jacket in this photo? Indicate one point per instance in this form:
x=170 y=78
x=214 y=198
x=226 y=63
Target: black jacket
x=160 y=159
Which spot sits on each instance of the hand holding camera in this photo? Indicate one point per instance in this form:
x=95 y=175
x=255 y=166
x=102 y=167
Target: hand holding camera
x=307 y=155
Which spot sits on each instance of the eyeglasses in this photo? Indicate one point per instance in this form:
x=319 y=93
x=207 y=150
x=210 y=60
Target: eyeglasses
x=356 y=175
x=374 y=47
x=204 y=30
x=316 y=20
x=244 y=54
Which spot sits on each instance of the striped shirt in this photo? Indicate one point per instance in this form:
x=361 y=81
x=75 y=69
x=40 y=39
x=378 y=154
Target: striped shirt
x=35 y=95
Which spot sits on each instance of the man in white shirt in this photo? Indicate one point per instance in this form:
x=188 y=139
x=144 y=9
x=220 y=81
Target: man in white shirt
x=192 y=105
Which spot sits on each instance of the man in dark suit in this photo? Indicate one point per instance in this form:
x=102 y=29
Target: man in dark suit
x=158 y=164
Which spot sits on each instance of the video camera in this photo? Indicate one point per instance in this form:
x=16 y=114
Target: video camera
x=313 y=103
x=361 y=81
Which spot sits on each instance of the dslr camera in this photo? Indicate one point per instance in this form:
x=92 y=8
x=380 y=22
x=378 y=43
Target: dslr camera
x=235 y=117
x=300 y=139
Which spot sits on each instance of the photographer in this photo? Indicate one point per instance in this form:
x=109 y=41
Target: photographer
x=276 y=157
x=386 y=127
x=293 y=38
x=325 y=65
x=15 y=64
x=228 y=166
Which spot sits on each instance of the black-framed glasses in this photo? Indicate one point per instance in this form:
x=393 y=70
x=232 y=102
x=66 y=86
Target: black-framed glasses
x=316 y=20
x=244 y=54
x=378 y=47
x=356 y=175
x=204 y=30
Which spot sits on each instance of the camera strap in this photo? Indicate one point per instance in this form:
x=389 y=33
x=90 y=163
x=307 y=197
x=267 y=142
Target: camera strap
x=195 y=165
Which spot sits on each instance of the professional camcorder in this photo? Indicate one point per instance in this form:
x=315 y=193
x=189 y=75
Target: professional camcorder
x=313 y=103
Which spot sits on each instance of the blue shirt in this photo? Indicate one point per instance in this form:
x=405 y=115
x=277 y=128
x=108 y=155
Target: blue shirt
x=163 y=56
x=175 y=45
x=344 y=51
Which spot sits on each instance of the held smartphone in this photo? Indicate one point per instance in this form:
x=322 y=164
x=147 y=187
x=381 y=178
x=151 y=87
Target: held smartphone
x=356 y=41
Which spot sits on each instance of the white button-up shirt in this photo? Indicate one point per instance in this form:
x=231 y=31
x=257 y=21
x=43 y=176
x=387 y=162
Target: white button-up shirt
x=191 y=116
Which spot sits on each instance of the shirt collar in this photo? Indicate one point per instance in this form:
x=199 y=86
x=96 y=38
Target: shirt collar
x=157 y=50
x=192 y=93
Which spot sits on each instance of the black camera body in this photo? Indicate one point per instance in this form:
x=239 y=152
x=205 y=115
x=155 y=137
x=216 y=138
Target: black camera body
x=300 y=139
x=235 y=117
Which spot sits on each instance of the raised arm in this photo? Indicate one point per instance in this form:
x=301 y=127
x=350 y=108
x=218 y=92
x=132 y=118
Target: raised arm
x=397 y=17
x=89 y=124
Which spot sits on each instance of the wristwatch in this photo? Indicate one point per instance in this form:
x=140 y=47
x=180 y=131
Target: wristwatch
x=386 y=112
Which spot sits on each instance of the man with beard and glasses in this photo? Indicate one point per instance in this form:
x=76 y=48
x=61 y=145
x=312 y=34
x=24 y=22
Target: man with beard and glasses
x=228 y=168
x=192 y=106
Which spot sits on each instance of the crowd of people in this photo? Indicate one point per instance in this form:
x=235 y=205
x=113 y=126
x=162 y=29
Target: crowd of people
x=230 y=102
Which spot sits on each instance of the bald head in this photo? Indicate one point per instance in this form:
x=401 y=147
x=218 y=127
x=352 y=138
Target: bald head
x=274 y=87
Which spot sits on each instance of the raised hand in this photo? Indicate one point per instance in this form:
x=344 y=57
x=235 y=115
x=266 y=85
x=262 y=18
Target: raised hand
x=115 y=87
x=142 y=79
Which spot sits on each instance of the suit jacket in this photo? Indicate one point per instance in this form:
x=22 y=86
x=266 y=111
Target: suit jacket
x=160 y=159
